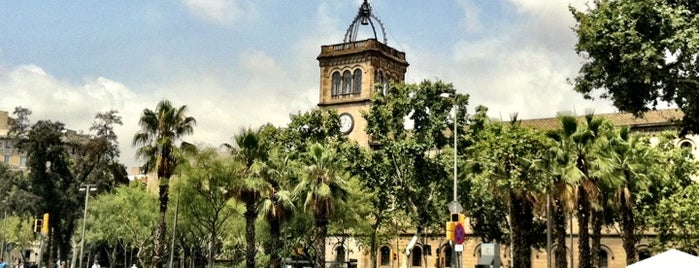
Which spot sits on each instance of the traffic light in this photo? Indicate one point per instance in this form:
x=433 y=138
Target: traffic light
x=450 y=230
x=45 y=224
x=456 y=218
x=37 y=225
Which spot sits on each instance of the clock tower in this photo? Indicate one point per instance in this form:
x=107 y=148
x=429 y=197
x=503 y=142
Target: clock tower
x=353 y=71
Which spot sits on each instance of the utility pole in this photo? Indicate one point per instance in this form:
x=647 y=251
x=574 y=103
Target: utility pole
x=87 y=188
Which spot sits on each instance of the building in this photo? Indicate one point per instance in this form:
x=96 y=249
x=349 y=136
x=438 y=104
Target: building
x=349 y=72
x=8 y=151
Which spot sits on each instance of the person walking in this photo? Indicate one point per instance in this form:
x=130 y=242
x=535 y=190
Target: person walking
x=3 y=264
x=96 y=265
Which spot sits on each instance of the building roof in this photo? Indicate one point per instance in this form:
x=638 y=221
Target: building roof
x=649 y=121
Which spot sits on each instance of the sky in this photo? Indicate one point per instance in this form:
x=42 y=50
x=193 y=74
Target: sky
x=243 y=63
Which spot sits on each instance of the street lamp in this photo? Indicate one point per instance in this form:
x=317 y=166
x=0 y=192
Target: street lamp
x=454 y=205
x=87 y=188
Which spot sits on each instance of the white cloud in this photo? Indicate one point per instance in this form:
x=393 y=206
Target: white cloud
x=222 y=12
x=471 y=20
x=522 y=69
x=74 y=105
x=260 y=91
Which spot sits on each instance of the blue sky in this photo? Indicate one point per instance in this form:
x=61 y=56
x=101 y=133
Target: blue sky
x=243 y=63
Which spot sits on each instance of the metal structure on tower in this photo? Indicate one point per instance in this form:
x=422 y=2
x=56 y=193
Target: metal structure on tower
x=364 y=17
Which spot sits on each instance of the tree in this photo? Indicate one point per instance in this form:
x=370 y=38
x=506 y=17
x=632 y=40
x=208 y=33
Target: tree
x=563 y=177
x=249 y=151
x=276 y=203
x=56 y=173
x=576 y=157
x=21 y=125
x=632 y=162
x=207 y=178
x=124 y=217
x=99 y=155
x=160 y=131
x=322 y=187
x=641 y=53
x=504 y=164
x=666 y=205
x=376 y=173
x=51 y=180
x=411 y=155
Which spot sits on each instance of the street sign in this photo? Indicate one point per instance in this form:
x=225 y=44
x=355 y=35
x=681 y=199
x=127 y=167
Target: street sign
x=459 y=233
x=459 y=248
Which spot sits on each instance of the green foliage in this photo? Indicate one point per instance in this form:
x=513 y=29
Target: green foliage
x=677 y=220
x=506 y=181
x=409 y=157
x=639 y=53
x=202 y=193
x=124 y=217
x=160 y=132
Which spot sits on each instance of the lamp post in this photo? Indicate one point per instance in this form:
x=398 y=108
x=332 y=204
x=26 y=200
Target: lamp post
x=454 y=205
x=87 y=188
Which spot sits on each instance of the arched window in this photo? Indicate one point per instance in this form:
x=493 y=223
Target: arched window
x=447 y=255
x=346 y=82
x=357 y=86
x=385 y=256
x=603 y=259
x=686 y=144
x=383 y=81
x=417 y=256
x=340 y=254
x=336 y=84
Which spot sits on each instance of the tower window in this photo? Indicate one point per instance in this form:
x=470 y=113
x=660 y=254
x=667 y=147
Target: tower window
x=357 y=87
x=346 y=82
x=336 y=84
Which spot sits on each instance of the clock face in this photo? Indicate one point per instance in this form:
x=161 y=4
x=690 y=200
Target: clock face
x=346 y=123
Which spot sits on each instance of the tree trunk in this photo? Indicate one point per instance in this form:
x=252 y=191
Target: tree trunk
x=627 y=231
x=521 y=216
x=319 y=244
x=597 y=220
x=250 y=250
x=275 y=233
x=373 y=245
x=161 y=228
x=559 y=228
x=584 y=259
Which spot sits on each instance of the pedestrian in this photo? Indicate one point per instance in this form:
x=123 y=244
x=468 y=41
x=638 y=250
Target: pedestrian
x=96 y=265
x=3 y=264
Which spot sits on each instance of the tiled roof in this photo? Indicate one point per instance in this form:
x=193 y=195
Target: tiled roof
x=666 y=118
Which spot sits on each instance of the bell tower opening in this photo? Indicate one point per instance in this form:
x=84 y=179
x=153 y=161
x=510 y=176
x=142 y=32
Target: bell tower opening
x=352 y=71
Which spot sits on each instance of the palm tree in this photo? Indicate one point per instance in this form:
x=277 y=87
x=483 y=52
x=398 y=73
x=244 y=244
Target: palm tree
x=632 y=163
x=564 y=175
x=249 y=150
x=160 y=131
x=276 y=202
x=323 y=184
x=575 y=153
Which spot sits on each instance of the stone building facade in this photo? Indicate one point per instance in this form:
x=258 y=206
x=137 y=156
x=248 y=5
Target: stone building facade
x=349 y=73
